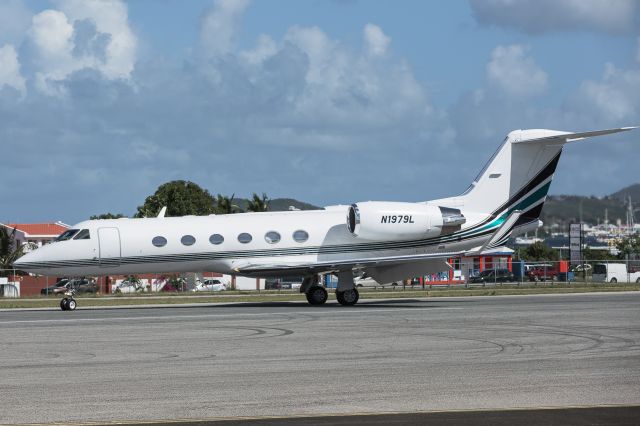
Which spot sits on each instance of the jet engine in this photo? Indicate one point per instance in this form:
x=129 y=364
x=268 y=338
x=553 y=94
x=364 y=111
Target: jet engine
x=375 y=220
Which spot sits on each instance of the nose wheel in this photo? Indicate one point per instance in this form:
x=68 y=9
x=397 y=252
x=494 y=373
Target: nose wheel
x=68 y=303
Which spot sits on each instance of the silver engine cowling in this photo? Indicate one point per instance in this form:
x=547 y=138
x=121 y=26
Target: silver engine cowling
x=376 y=220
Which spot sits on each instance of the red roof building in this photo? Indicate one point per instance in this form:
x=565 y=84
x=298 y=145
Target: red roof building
x=36 y=233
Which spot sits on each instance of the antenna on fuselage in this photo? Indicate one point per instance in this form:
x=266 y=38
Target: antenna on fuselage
x=162 y=211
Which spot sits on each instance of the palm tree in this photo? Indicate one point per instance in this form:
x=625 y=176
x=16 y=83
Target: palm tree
x=224 y=205
x=257 y=203
x=9 y=252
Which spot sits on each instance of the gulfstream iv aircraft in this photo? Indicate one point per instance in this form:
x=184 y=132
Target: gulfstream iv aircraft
x=387 y=240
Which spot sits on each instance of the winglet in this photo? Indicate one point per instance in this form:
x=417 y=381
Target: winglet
x=163 y=211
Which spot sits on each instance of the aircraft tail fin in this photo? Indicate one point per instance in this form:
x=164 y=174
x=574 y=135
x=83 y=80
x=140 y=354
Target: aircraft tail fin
x=519 y=174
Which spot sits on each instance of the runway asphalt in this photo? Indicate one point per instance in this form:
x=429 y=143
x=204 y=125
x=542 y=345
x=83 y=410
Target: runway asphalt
x=409 y=357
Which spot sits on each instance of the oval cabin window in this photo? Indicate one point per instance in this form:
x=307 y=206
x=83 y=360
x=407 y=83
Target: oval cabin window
x=188 y=240
x=216 y=239
x=272 y=237
x=159 y=241
x=245 y=238
x=300 y=236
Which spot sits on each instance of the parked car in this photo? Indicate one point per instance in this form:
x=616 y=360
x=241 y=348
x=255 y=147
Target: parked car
x=284 y=283
x=543 y=272
x=84 y=285
x=55 y=289
x=493 y=276
x=210 y=284
x=80 y=285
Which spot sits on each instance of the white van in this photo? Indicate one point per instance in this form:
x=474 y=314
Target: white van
x=614 y=273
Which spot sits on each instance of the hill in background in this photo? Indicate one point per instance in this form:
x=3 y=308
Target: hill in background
x=632 y=191
x=564 y=209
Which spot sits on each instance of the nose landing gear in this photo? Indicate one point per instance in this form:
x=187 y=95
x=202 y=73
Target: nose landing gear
x=68 y=303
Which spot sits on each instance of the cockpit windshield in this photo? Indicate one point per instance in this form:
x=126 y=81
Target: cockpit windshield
x=83 y=235
x=67 y=235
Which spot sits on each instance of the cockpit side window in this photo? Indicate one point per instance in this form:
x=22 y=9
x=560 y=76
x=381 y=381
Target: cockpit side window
x=67 y=235
x=83 y=235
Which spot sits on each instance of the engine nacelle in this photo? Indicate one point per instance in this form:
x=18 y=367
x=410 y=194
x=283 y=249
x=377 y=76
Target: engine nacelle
x=375 y=220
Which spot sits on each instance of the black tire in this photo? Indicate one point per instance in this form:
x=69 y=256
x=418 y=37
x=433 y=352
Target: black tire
x=638 y=281
x=71 y=305
x=63 y=304
x=348 y=297
x=317 y=295
x=613 y=280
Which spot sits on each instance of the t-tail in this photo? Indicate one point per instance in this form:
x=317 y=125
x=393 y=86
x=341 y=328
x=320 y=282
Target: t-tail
x=515 y=182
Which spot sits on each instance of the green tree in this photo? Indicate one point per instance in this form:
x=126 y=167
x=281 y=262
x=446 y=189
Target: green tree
x=224 y=205
x=107 y=216
x=590 y=255
x=258 y=203
x=538 y=251
x=9 y=250
x=181 y=198
x=628 y=246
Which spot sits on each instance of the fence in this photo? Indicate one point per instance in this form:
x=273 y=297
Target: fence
x=515 y=273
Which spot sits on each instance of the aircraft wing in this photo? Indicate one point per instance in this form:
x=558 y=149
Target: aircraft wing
x=274 y=269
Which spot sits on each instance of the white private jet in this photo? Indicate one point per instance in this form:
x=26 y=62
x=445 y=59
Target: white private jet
x=388 y=241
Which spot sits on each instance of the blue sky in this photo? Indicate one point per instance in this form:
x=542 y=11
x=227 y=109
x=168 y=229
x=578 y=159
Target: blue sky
x=333 y=101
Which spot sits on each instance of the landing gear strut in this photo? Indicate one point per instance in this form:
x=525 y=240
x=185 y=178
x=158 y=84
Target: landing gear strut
x=68 y=303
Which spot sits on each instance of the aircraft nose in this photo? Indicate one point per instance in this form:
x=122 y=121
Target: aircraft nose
x=27 y=261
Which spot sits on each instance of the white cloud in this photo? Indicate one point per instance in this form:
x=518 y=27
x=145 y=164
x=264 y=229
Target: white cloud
x=265 y=48
x=110 y=17
x=93 y=35
x=220 y=26
x=514 y=73
x=538 y=16
x=611 y=101
x=376 y=41
x=10 y=69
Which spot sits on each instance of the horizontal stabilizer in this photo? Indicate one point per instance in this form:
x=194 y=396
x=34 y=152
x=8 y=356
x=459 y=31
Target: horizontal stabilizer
x=573 y=137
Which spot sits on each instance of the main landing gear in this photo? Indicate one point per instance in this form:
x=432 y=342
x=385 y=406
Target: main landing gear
x=346 y=293
x=68 y=303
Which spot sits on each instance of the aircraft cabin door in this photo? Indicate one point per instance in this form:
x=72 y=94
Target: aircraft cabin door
x=109 y=245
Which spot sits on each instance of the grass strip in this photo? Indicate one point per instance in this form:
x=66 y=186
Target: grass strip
x=275 y=296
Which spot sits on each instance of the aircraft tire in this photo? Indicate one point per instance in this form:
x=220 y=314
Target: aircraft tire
x=64 y=304
x=71 y=305
x=348 y=297
x=317 y=295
